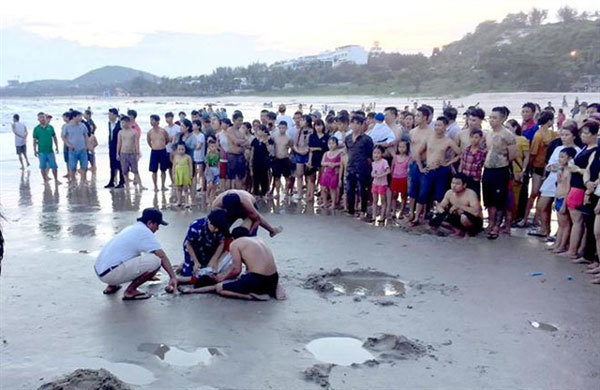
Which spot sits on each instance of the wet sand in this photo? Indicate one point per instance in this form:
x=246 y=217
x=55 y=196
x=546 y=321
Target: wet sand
x=468 y=304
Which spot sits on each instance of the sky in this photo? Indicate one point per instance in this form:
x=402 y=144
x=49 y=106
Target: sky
x=63 y=39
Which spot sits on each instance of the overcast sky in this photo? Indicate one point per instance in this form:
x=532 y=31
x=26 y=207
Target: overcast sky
x=62 y=39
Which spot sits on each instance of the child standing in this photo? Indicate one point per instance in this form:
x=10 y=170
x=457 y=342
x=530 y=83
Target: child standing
x=379 y=171
x=199 y=150
x=331 y=173
x=91 y=147
x=211 y=174
x=399 y=183
x=183 y=175
x=562 y=189
x=471 y=161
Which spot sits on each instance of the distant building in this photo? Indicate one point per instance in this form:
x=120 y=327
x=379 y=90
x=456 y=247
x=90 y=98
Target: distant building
x=350 y=54
x=376 y=50
x=13 y=83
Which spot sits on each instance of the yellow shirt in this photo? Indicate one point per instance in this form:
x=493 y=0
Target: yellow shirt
x=522 y=147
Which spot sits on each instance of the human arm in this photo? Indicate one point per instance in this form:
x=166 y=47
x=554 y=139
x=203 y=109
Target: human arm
x=192 y=254
x=35 y=147
x=149 y=139
x=418 y=160
x=65 y=139
x=119 y=146
x=443 y=205
x=166 y=264
x=456 y=152
x=236 y=264
x=55 y=142
x=137 y=144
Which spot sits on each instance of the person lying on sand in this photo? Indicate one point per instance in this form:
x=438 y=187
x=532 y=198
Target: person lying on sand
x=122 y=260
x=261 y=280
x=240 y=204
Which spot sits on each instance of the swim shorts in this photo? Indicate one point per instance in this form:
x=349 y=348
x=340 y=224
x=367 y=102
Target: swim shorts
x=281 y=167
x=301 y=158
x=159 y=158
x=378 y=190
x=559 y=203
x=129 y=162
x=399 y=185
x=575 y=198
x=236 y=166
x=495 y=187
x=21 y=149
x=253 y=283
x=47 y=160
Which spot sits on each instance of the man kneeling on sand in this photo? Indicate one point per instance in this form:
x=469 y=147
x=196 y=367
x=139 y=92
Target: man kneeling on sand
x=460 y=208
x=134 y=255
x=260 y=282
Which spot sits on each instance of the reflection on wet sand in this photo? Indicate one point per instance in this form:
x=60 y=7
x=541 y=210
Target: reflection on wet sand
x=25 y=190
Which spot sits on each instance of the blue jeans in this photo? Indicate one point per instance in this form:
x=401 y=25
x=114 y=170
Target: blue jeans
x=436 y=181
x=78 y=155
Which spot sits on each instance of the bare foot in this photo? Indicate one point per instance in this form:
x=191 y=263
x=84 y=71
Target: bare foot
x=593 y=271
x=260 y=297
x=595 y=281
x=594 y=265
x=559 y=250
x=579 y=260
x=280 y=293
x=276 y=231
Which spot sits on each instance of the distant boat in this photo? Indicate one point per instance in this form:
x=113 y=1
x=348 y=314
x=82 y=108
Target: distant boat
x=269 y=104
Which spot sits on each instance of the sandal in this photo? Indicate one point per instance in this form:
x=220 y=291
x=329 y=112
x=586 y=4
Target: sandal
x=111 y=291
x=492 y=236
x=536 y=233
x=137 y=297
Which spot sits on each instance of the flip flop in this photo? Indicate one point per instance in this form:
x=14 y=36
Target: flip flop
x=137 y=297
x=111 y=292
x=492 y=236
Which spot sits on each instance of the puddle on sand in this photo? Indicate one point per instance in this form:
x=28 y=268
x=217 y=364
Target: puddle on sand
x=343 y=351
x=543 y=326
x=178 y=357
x=367 y=284
x=127 y=372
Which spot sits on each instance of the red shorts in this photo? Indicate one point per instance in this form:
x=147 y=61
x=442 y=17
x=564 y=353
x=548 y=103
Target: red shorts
x=575 y=198
x=223 y=170
x=399 y=185
x=378 y=190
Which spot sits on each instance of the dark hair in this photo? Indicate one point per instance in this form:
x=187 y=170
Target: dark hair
x=227 y=121
x=272 y=115
x=545 y=117
x=571 y=126
x=88 y=112
x=529 y=105
x=462 y=177
x=264 y=112
x=360 y=112
x=371 y=115
x=516 y=125
x=169 y=115
x=197 y=122
x=256 y=121
x=262 y=128
x=357 y=119
x=41 y=113
x=17 y=117
x=408 y=113
x=595 y=105
x=248 y=125
x=124 y=118
x=591 y=125
x=450 y=113
x=195 y=112
x=298 y=112
x=308 y=120
x=155 y=117
x=180 y=143
x=282 y=123
x=442 y=119
x=502 y=110
x=478 y=112
x=239 y=232
x=132 y=113
x=187 y=123
x=425 y=111
x=67 y=114
x=393 y=110
x=430 y=109
x=237 y=115
x=337 y=141
x=570 y=151
x=113 y=111
x=231 y=202
x=380 y=148
x=75 y=113
x=218 y=218
x=407 y=146
x=476 y=132
x=217 y=118
x=320 y=123
x=181 y=112
x=343 y=119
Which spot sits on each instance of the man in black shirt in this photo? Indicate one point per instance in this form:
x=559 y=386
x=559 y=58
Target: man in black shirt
x=359 y=147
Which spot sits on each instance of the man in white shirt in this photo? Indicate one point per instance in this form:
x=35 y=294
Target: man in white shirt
x=282 y=117
x=20 y=132
x=172 y=129
x=381 y=133
x=134 y=255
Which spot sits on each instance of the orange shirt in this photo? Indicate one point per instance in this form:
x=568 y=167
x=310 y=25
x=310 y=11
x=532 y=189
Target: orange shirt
x=539 y=146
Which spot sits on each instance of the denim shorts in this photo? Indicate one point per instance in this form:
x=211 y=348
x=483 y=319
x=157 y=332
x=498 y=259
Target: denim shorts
x=47 y=160
x=78 y=156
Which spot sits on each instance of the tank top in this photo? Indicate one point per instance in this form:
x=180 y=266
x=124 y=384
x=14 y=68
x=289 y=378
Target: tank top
x=581 y=160
x=400 y=169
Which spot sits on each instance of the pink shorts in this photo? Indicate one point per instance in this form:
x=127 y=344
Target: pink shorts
x=378 y=190
x=575 y=198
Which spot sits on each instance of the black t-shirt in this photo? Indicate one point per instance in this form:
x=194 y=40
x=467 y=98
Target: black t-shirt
x=581 y=160
x=315 y=142
x=260 y=156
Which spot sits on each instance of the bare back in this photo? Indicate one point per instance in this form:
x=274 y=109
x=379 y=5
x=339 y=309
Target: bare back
x=255 y=254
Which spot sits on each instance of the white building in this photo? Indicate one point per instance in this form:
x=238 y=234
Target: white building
x=352 y=54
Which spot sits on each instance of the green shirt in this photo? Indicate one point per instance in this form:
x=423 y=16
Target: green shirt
x=44 y=135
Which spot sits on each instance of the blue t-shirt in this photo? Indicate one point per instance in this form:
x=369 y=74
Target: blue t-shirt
x=76 y=135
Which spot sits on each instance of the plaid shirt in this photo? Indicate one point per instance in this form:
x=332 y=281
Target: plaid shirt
x=472 y=163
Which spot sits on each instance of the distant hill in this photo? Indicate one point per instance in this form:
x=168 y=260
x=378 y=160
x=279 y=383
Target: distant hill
x=111 y=75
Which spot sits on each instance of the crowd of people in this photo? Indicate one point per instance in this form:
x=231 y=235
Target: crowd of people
x=406 y=166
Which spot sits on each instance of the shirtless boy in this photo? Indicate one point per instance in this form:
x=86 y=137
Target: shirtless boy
x=157 y=139
x=281 y=163
x=437 y=169
x=236 y=163
x=261 y=280
x=128 y=151
x=460 y=208
x=474 y=119
x=418 y=138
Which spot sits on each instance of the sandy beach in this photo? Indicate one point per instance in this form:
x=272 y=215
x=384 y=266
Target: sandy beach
x=466 y=312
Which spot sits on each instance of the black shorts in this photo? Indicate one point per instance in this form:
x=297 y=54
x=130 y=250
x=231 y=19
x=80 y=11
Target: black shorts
x=236 y=166
x=495 y=187
x=539 y=171
x=253 y=283
x=281 y=167
x=159 y=158
x=454 y=220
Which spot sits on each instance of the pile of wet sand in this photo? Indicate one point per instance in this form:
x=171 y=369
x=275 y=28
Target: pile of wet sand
x=86 y=379
x=392 y=347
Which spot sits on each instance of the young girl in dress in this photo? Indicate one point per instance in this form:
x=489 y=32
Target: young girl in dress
x=399 y=183
x=330 y=177
x=379 y=172
x=183 y=174
x=212 y=170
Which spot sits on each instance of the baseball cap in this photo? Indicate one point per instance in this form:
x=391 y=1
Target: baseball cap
x=152 y=214
x=379 y=117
